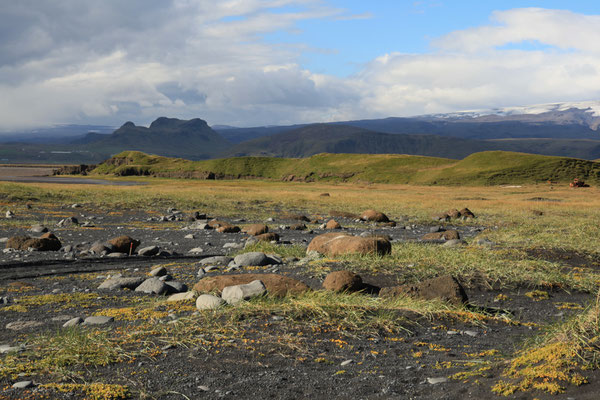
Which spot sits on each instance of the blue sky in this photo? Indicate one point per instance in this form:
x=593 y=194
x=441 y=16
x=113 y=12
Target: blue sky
x=263 y=62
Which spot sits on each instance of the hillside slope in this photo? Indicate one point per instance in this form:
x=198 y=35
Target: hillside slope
x=485 y=168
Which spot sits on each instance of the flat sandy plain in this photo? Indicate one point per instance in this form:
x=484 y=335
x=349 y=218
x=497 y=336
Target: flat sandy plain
x=529 y=264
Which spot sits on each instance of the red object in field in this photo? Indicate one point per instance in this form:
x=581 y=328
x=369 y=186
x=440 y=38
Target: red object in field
x=578 y=183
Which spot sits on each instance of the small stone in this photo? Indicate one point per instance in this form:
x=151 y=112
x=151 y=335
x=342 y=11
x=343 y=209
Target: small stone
x=196 y=250
x=216 y=260
x=208 y=302
x=203 y=388
x=98 y=320
x=346 y=362
x=237 y=293
x=181 y=296
x=158 y=271
x=22 y=325
x=22 y=385
x=471 y=333
x=152 y=286
x=38 y=229
x=117 y=255
x=148 y=251
x=9 y=214
x=190 y=236
x=73 y=322
x=254 y=258
x=176 y=287
x=435 y=381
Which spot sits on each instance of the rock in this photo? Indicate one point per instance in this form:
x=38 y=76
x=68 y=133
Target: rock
x=5 y=349
x=9 y=214
x=435 y=229
x=158 y=271
x=4 y=300
x=445 y=235
x=233 y=246
x=454 y=213
x=267 y=237
x=435 y=381
x=254 y=258
x=182 y=296
x=38 y=229
x=228 y=229
x=73 y=322
x=22 y=385
x=466 y=213
x=256 y=229
x=47 y=242
x=343 y=281
x=124 y=244
x=200 y=226
x=332 y=224
x=216 y=260
x=215 y=223
x=441 y=217
x=117 y=255
x=121 y=283
x=277 y=285
x=453 y=243
x=446 y=288
x=346 y=362
x=68 y=222
x=98 y=320
x=208 y=302
x=190 y=236
x=374 y=216
x=100 y=248
x=334 y=244
x=22 y=325
x=153 y=286
x=177 y=287
x=196 y=250
x=298 y=227
x=165 y=278
x=148 y=251
x=237 y=293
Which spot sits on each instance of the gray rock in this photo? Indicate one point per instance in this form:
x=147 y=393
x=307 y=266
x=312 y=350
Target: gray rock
x=254 y=258
x=190 y=236
x=200 y=226
x=22 y=385
x=233 y=246
x=237 y=293
x=68 y=221
x=435 y=229
x=5 y=348
x=165 y=278
x=121 y=283
x=148 y=251
x=201 y=273
x=22 y=325
x=177 y=287
x=117 y=255
x=274 y=259
x=435 y=381
x=208 y=302
x=346 y=362
x=209 y=268
x=158 y=271
x=73 y=322
x=4 y=300
x=38 y=229
x=471 y=333
x=182 y=296
x=9 y=214
x=216 y=260
x=196 y=250
x=153 y=286
x=100 y=248
x=98 y=320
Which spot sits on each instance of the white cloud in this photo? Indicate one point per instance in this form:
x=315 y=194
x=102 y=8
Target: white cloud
x=113 y=61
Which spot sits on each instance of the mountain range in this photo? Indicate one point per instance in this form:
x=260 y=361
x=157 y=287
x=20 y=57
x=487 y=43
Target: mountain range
x=563 y=129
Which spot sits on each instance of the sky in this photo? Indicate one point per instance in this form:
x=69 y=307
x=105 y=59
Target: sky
x=272 y=62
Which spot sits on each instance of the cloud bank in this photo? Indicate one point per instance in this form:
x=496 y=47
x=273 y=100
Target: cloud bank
x=108 y=62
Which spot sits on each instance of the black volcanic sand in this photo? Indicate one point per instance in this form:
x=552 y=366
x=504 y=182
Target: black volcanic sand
x=257 y=364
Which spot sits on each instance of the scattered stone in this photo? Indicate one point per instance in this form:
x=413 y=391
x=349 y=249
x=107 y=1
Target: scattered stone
x=198 y=225
x=98 y=320
x=9 y=214
x=445 y=235
x=334 y=244
x=100 y=248
x=343 y=281
x=148 y=251
x=373 y=216
x=256 y=229
x=435 y=381
x=446 y=288
x=237 y=293
x=332 y=224
x=158 y=271
x=124 y=244
x=208 y=302
x=216 y=260
x=38 y=229
x=22 y=325
x=153 y=286
x=73 y=322
x=182 y=296
x=68 y=222
x=254 y=258
x=277 y=285
x=22 y=385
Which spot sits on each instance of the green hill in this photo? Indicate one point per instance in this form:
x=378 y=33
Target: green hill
x=485 y=168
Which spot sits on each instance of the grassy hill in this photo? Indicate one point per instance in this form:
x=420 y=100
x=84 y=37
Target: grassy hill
x=485 y=168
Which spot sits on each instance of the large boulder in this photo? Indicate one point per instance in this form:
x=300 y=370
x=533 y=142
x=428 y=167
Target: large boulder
x=277 y=285
x=445 y=288
x=374 y=216
x=253 y=258
x=445 y=235
x=256 y=229
x=124 y=244
x=343 y=281
x=333 y=244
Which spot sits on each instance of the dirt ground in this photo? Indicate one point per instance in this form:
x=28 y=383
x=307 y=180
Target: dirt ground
x=269 y=355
